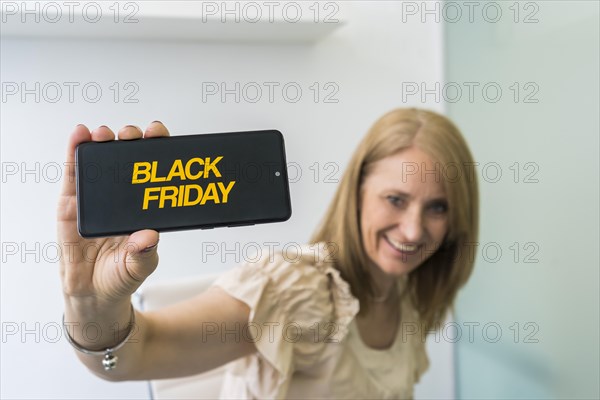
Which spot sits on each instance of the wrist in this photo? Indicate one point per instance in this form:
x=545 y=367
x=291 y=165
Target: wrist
x=109 y=360
x=97 y=326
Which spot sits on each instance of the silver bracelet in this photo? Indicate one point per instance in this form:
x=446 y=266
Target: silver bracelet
x=110 y=360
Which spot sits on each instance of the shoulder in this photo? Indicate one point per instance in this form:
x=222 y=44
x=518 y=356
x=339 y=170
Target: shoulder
x=293 y=263
x=298 y=281
x=298 y=303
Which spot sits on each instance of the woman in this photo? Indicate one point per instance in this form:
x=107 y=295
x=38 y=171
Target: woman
x=345 y=318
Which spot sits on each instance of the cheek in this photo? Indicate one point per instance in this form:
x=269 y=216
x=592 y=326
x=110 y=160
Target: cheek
x=368 y=223
x=365 y=225
x=438 y=229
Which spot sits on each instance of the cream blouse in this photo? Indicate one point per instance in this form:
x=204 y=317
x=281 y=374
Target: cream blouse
x=302 y=321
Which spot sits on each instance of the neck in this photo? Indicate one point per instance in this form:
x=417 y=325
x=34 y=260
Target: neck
x=385 y=285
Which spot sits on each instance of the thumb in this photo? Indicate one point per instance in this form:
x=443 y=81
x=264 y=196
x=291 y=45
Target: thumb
x=141 y=254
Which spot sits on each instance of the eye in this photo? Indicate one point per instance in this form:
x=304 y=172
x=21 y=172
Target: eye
x=439 y=208
x=394 y=200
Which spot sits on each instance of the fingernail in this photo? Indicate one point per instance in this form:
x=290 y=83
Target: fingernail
x=96 y=130
x=157 y=122
x=133 y=126
x=147 y=249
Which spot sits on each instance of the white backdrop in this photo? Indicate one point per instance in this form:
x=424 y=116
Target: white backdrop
x=365 y=61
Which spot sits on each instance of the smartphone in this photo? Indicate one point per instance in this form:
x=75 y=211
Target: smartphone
x=181 y=182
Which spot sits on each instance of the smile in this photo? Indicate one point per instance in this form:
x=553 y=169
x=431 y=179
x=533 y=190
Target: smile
x=404 y=248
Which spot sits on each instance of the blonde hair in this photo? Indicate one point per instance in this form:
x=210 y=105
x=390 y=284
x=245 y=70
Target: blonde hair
x=432 y=286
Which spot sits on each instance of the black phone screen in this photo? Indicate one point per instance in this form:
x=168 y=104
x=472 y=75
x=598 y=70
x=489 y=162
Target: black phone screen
x=181 y=182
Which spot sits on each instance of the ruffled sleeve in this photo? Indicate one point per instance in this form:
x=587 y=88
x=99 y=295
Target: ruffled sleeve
x=298 y=304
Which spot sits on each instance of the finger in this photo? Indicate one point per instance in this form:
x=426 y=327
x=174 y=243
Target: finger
x=79 y=135
x=144 y=239
x=141 y=256
x=156 y=129
x=130 y=132
x=103 y=134
x=67 y=205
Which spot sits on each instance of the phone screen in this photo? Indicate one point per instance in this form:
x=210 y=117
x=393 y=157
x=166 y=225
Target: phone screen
x=182 y=182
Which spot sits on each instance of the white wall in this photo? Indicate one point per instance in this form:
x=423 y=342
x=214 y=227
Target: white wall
x=367 y=59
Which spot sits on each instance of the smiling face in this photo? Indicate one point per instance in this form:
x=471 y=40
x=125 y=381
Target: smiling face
x=403 y=212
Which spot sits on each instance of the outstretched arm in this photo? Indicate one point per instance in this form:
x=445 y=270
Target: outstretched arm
x=99 y=276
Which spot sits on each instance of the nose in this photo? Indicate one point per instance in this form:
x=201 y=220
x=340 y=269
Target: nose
x=411 y=224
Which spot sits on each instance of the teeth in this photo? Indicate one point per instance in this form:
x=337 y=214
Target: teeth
x=401 y=246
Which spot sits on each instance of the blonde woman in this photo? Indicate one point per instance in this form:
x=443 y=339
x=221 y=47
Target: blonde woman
x=346 y=317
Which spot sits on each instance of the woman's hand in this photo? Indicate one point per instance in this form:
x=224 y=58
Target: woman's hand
x=100 y=274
